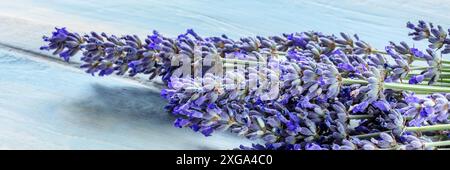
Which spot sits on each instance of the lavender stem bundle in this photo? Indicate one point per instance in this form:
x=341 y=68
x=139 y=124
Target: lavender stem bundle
x=295 y=91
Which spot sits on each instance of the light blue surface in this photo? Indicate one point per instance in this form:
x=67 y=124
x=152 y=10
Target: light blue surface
x=45 y=106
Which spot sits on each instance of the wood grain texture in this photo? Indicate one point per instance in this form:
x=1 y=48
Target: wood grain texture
x=45 y=105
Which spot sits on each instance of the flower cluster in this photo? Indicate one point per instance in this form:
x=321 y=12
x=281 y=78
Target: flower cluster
x=436 y=36
x=295 y=91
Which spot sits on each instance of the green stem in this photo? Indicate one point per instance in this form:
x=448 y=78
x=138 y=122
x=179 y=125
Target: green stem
x=415 y=69
x=368 y=135
x=440 y=84
x=415 y=58
x=422 y=92
x=359 y=116
x=380 y=52
x=437 y=144
x=443 y=75
x=400 y=86
x=353 y=81
x=422 y=88
x=443 y=82
x=443 y=62
x=418 y=68
x=428 y=128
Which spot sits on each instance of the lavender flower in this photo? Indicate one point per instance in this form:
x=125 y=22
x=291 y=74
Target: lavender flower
x=436 y=36
x=65 y=43
x=301 y=102
x=423 y=111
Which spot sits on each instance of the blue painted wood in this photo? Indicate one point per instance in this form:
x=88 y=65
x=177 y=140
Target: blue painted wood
x=50 y=106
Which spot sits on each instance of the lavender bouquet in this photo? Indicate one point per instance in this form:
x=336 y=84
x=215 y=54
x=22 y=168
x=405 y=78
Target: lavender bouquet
x=304 y=90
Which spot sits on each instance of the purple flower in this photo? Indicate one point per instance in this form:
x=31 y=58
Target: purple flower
x=298 y=40
x=425 y=112
x=416 y=79
x=410 y=25
x=65 y=55
x=313 y=146
x=179 y=122
x=60 y=33
x=292 y=126
x=64 y=43
x=382 y=105
x=195 y=127
x=416 y=52
x=337 y=52
x=436 y=35
x=411 y=98
x=193 y=33
x=106 y=72
x=154 y=46
x=207 y=130
x=360 y=107
x=346 y=67
x=195 y=114
x=134 y=65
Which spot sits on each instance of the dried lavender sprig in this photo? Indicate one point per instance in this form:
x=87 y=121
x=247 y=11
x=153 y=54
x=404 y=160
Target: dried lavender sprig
x=380 y=63
x=156 y=55
x=354 y=61
x=259 y=122
x=205 y=130
x=316 y=44
x=62 y=39
x=278 y=116
x=436 y=36
x=435 y=63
